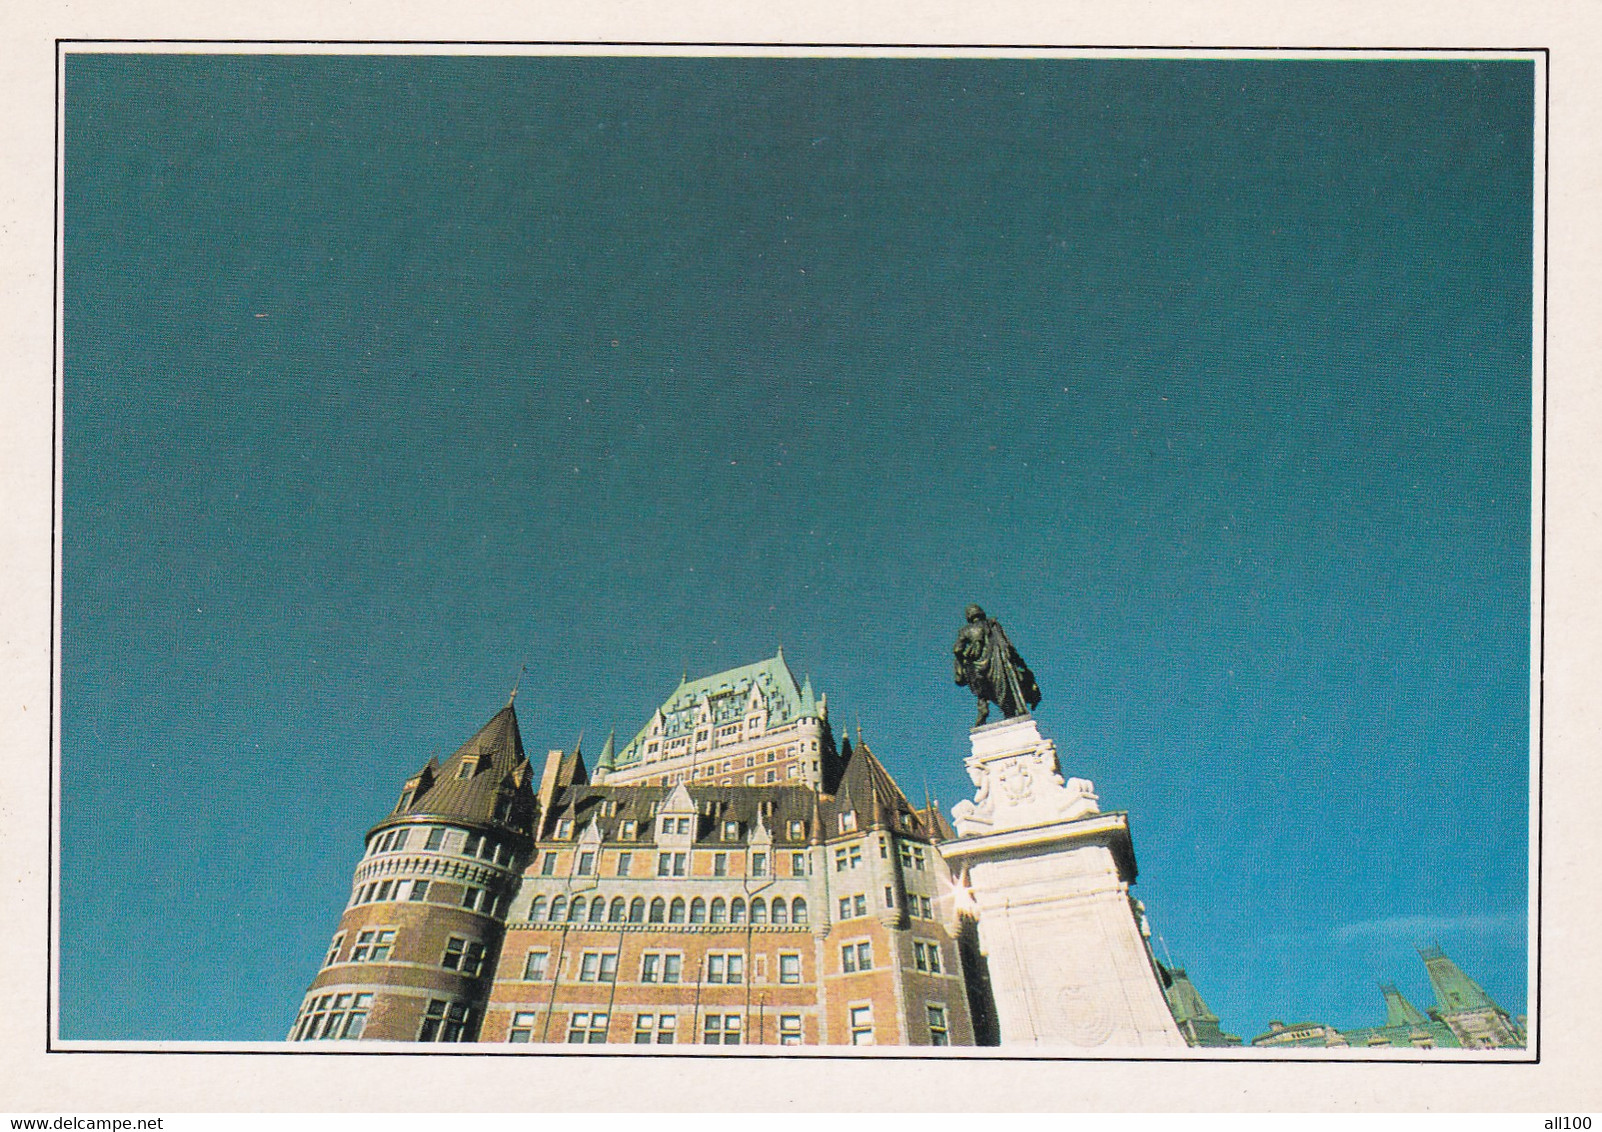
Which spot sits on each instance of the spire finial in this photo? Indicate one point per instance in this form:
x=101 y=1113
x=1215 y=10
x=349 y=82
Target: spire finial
x=515 y=685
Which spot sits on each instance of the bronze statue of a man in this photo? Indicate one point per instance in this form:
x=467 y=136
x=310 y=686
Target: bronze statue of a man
x=988 y=664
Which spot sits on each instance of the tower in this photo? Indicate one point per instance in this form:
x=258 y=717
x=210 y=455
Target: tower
x=1463 y=1005
x=411 y=958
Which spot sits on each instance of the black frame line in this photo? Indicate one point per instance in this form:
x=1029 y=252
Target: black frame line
x=1272 y=1059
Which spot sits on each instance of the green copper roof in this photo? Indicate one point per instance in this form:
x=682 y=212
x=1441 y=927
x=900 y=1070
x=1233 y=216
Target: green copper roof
x=1454 y=991
x=725 y=695
x=1398 y=1011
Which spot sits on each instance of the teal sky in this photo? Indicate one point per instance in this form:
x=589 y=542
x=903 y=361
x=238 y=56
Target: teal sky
x=1210 y=379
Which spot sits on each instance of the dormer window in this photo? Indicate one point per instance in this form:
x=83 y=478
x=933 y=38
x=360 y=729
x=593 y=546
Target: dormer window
x=631 y=829
x=564 y=827
x=405 y=800
x=467 y=768
x=848 y=822
x=731 y=831
x=798 y=829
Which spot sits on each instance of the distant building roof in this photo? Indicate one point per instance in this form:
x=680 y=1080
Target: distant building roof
x=726 y=696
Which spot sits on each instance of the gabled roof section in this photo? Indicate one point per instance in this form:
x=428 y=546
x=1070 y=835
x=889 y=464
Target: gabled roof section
x=724 y=697
x=486 y=782
x=866 y=787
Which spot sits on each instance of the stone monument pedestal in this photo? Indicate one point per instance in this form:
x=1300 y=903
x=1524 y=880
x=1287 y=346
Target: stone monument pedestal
x=1049 y=875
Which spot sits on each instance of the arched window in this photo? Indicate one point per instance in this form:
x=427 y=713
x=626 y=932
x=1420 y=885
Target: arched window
x=616 y=913
x=658 y=910
x=698 y=911
x=781 y=914
x=575 y=910
x=597 y=910
x=676 y=911
x=737 y=911
x=798 y=911
x=759 y=911
x=558 y=908
x=637 y=910
x=536 y=910
x=720 y=911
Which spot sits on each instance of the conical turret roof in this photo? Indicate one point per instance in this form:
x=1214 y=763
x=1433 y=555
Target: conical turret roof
x=486 y=782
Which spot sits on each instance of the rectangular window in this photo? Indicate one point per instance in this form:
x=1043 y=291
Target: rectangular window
x=672 y=968
x=720 y=864
x=759 y=864
x=889 y=897
x=586 y=866
x=789 y=968
x=466 y=769
x=848 y=821
x=598 y=967
x=856 y=957
x=861 y=903
x=436 y=838
x=356 y=1020
x=631 y=830
x=862 y=1025
x=671 y=864
x=384 y=890
x=564 y=828
x=721 y=1029
x=856 y=855
x=650 y=967
x=522 y=1027
x=845 y=907
x=839 y=860
x=928 y=909
x=471 y=898
x=444 y=1022
x=684 y=825
x=548 y=865
x=400 y=838
x=848 y=958
x=714 y=968
x=419 y=890
x=504 y=856
x=373 y=946
x=463 y=955
x=624 y=860
x=657 y=1028
x=333 y=950
x=470 y=846
x=939 y=1032
x=731 y=831
x=586 y=1027
x=798 y=864
x=798 y=829
x=535 y=965
x=789 y=1029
